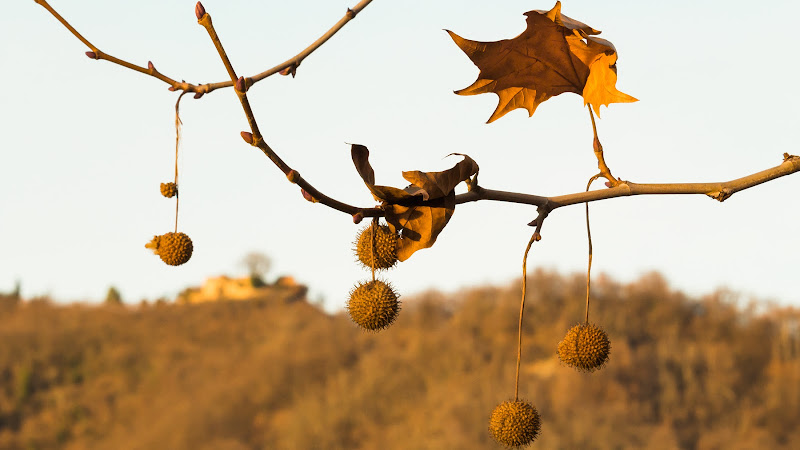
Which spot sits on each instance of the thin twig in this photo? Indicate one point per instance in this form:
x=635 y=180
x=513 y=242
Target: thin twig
x=291 y=64
x=521 y=311
x=200 y=89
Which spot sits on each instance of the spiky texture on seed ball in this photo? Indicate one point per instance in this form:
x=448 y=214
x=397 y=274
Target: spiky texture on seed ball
x=373 y=305
x=515 y=423
x=585 y=347
x=173 y=248
x=169 y=190
x=385 y=252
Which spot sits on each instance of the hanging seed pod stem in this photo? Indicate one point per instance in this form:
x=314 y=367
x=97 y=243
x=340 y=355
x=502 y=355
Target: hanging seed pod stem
x=589 y=235
x=521 y=311
x=178 y=124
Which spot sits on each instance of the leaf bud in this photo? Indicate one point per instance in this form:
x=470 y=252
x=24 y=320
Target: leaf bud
x=150 y=65
x=247 y=136
x=291 y=70
x=240 y=85
x=358 y=217
x=199 y=11
x=198 y=94
x=308 y=196
x=92 y=55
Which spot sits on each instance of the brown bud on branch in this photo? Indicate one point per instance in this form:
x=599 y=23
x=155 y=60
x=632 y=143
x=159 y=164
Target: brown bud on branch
x=92 y=55
x=247 y=136
x=291 y=70
x=358 y=217
x=308 y=196
x=240 y=85
x=293 y=176
x=199 y=11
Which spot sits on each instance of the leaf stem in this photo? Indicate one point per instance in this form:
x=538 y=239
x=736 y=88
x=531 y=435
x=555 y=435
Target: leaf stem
x=605 y=172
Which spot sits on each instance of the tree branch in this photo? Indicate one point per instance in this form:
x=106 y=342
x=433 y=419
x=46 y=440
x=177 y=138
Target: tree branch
x=254 y=138
x=286 y=67
x=290 y=65
x=720 y=191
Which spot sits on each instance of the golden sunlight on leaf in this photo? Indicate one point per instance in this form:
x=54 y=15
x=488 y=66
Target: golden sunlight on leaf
x=418 y=225
x=601 y=85
x=555 y=54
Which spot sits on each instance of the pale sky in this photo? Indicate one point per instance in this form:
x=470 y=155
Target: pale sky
x=85 y=144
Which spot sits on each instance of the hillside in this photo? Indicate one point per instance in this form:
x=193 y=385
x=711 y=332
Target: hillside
x=683 y=373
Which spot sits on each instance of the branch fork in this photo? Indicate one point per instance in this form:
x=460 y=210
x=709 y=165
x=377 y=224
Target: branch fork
x=617 y=188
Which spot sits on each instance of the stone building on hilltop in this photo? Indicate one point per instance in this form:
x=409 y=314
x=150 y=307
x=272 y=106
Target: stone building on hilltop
x=246 y=288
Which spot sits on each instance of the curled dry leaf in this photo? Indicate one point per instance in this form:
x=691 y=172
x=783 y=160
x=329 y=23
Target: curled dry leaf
x=555 y=54
x=419 y=224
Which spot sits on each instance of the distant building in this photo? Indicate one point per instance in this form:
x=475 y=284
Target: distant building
x=225 y=288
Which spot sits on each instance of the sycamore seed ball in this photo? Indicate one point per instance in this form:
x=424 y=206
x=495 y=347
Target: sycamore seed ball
x=373 y=305
x=169 y=190
x=515 y=423
x=173 y=248
x=585 y=347
x=384 y=254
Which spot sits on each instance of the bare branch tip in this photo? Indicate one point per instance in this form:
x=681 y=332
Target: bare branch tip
x=199 y=10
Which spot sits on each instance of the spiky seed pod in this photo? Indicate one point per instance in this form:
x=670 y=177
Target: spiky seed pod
x=515 y=423
x=173 y=248
x=385 y=254
x=169 y=190
x=373 y=305
x=585 y=347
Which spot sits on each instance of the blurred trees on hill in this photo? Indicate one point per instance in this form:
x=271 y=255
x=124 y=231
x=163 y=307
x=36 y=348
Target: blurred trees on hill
x=684 y=373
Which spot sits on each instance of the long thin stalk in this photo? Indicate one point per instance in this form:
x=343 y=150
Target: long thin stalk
x=521 y=312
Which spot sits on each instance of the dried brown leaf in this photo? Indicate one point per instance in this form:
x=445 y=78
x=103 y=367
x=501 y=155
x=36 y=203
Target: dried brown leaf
x=418 y=225
x=440 y=184
x=555 y=54
x=387 y=194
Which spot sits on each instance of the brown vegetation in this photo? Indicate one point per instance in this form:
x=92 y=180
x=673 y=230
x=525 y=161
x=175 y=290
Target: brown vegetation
x=683 y=373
